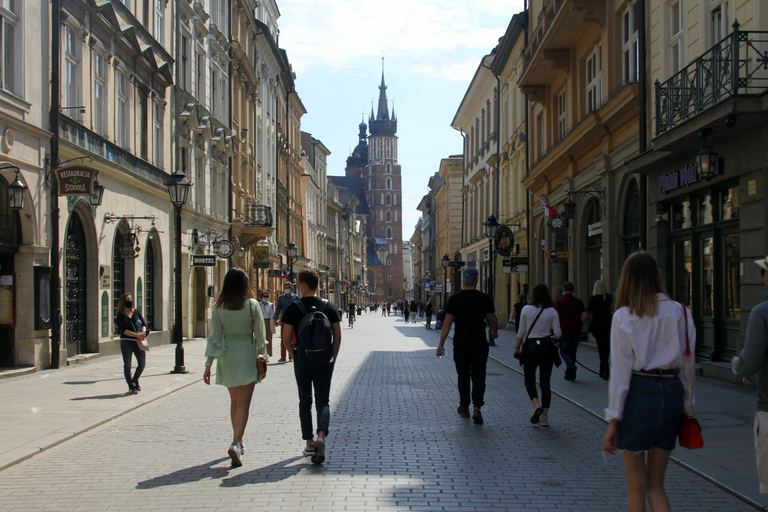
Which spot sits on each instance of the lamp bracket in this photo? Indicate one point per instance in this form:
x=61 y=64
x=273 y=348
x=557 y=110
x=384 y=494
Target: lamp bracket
x=597 y=193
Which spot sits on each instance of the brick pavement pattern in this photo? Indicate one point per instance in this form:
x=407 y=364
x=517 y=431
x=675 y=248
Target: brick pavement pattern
x=396 y=444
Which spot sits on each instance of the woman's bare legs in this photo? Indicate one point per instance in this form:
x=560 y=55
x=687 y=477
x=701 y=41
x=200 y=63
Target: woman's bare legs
x=645 y=478
x=240 y=404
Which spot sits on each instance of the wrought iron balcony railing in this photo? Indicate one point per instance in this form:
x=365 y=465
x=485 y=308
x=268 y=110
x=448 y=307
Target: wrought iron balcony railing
x=257 y=215
x=737 y=65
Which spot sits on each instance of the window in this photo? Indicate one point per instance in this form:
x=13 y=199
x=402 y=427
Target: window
x=389 y=278
x=540 y=134
x=562 y=113
x=389 y=182
x=160 y=21
x=10 y=40
x=389 y=167
x=389 y=152
x=389 y=199
x=159 y=149
x=214 y=97
x=389 y=216
x=184 y=62
x=150 y=282
x=629 y=45
x=71 y=84
x=199 y=70
x=719 y=26
x=144 y=130
x=123 y=119
x=100 y=67
x=594 y=77
x=389 y=233
x=675 y=37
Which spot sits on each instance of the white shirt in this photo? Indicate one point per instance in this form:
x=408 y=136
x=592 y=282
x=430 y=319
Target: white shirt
x=548 y=321
x=650 y=343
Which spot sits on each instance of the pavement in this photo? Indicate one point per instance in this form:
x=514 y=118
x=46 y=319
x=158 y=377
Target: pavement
x=73 y=441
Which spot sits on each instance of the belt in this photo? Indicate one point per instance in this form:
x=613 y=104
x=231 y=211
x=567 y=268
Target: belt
x=672 y=372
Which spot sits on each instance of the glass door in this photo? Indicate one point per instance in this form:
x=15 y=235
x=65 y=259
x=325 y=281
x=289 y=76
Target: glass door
x=731 y=318
x=707 y=278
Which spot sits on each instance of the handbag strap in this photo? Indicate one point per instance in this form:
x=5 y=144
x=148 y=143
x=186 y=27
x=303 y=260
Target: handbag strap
x=534 y=323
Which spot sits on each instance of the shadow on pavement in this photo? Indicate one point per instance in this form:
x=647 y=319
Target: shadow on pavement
x=193 y=474
x=100 y=397
x=84 y=382
x=270 y=474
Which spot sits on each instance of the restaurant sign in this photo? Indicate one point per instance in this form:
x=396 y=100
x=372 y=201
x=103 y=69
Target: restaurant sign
x=684 y=177
x=76 y=180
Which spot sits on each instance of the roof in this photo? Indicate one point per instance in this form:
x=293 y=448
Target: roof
x=357 y=187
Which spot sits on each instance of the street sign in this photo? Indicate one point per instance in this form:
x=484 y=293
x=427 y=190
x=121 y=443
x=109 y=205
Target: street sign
x=426 y=286
x=555 y=254
x=438 y=287
x=273 y=273
x=203 y=260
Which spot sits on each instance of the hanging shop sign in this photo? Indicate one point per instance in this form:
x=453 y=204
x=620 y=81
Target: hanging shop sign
x=595 y=229
x=128 y=245
x=504 y=240
x=203 y=260
x=226 y=249
x=76 y=180
x=514 y=266
x=273 y=273
x=686 y=176
x=553 y=255
x=557 y=224
x=261 y=257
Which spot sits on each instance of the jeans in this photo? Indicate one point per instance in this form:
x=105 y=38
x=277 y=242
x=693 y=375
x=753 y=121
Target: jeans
x=652 y=413
x=568 y=345
x=129 y=348
x=544 y=364
x=471 y=361
x=429 y=321
x=321 y=379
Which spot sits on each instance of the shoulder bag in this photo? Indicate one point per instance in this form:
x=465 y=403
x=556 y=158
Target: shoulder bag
x=690 y=431
x=261 y=363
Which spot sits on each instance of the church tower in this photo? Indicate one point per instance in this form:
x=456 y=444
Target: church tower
x=383 y=188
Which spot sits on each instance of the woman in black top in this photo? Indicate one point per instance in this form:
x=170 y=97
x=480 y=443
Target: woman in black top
x=132 y=329
x=601 y=305
x=430 y=309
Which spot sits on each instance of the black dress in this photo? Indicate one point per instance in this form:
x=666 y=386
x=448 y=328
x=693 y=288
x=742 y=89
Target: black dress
x=601 y=307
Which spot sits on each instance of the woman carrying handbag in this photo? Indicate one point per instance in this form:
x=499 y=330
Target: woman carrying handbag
x=133 y=340
x=540 y=323
x=237 y=342
x=651 y=383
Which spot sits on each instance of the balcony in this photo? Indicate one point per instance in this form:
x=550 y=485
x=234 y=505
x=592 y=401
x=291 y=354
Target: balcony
x=254 y=225
x=735 y=66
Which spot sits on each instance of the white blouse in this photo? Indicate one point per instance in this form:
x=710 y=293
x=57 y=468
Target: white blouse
x=548 y=321
x=650 y=343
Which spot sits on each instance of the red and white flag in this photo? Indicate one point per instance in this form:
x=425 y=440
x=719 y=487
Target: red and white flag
x=547 y=209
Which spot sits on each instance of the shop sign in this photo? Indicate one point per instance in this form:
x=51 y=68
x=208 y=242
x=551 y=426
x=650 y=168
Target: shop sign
x=76 y=180
x=203 y=260
x=438 y=287
x=261 y=257
x=595 y=229
x=553 y=255
x=685 y=177
x=514 y=266
x=504 y=241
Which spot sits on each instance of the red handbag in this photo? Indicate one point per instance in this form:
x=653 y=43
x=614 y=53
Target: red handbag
x=689 y=434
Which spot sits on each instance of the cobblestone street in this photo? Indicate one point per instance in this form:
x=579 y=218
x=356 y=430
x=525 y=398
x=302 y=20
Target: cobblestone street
x=396 y=443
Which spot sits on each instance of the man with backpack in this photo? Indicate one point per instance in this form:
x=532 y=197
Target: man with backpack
x=316 y=323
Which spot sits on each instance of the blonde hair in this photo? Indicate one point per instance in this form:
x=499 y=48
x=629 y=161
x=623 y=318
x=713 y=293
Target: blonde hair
x=639 y=283
x=599 y=288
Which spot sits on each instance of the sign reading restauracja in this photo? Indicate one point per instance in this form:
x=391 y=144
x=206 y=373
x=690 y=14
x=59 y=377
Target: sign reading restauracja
x=76 y=180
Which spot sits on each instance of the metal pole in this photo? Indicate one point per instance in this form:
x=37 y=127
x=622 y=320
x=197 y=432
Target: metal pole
x=54 y=121
x=177 y=332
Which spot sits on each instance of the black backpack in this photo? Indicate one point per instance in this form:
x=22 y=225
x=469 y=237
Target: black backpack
x=313 y=337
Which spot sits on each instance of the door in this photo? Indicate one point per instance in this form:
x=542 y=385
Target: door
x=75 y=293
x=200 y=302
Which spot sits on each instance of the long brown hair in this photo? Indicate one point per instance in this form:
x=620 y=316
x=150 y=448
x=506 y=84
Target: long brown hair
x=639 y=283
x=235 y=290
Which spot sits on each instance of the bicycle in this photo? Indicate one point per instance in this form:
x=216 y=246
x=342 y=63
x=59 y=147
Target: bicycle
x=351 y=321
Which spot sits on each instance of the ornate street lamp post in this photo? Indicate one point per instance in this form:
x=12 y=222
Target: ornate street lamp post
x=178 y=189
x=445 y=261
x=491 y=226
x=292 y=258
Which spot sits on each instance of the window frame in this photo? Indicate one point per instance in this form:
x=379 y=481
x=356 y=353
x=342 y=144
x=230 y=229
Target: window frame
x=593 y=74
x=72 y=83
x=10 y=16
x=629 y=44
x=562 y=112
x=123 y=114
x=160 y=22
x=675 y=43
x=100 y=82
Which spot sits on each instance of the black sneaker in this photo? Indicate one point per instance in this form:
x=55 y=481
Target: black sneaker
x=477 y=417
x=463 y=411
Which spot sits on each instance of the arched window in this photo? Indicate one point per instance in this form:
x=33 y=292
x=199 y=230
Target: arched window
x=389 y=182
x=150 y=282
x=389 y=233
x=389 y=199
x=389 y=216
x=389 y=168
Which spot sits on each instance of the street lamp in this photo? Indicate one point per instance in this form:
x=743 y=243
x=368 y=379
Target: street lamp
x=491 y=226
x=706 y=159
x=292 y=258
x=97 y=193
x=445 y=261
x=178 y=189
x=16 y=191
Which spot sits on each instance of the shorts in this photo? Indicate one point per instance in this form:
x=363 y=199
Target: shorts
x=652 y=414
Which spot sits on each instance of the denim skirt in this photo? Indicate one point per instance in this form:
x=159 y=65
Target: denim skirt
x=652 y=412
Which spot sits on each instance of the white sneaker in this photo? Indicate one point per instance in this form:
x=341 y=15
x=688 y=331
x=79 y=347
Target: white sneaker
x=235 y=455
x=242 y=449
x=543 y=421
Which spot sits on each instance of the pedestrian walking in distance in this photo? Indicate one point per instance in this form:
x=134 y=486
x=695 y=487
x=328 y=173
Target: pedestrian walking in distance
x=237 y=342
x=469 y=308
x=519 y=305
x=753 y=359
x=414 y=310
x=268 y=312
x=601 y=306
x=535 y=347
x=406 y=312
x=573 y=314
x=285 y=300
x=429 y=309
x=133 y=331
x=651 y=384
x=316 y=323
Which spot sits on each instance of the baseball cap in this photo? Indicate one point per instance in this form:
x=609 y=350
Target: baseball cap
x=470 y=274
x=762 y=263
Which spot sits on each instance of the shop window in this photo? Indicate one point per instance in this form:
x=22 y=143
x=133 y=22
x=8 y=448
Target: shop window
x=681 y=215
x=730 y=205
x=731 y=280
x=706 y=210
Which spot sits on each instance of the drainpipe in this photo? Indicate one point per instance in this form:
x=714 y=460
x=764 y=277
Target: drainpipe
x=56 y=319
x=531 y=248
x=643 y=120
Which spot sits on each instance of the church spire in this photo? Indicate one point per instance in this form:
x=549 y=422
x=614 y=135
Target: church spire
x=383 y=113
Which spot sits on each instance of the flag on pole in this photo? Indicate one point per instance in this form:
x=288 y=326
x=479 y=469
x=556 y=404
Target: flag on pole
x=547 y=209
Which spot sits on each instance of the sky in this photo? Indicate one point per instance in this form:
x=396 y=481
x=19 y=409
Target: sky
x=431 y=50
